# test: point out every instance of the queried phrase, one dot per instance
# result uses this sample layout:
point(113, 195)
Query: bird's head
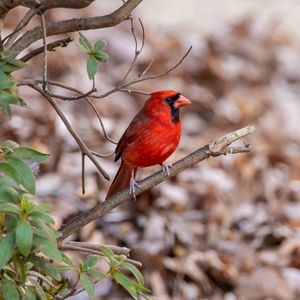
point(166, 104)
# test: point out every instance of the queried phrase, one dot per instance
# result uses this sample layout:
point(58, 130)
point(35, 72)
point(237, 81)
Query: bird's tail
point(121, 180)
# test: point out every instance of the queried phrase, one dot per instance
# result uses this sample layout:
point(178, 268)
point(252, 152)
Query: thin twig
point(45, 52)
point(146, 69)
point(214, 148)
point(84, 149)
point(140, 79)
point(136, 51)
point(24, 21)
point(115, 249)
point(130, 91)
point(50, 47)
point(83, 173)
point(64, 86)
point(102, 155)
point(100, 121)
point(95, 249)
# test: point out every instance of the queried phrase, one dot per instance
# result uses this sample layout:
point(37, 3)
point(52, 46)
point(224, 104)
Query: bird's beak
point(181, 101)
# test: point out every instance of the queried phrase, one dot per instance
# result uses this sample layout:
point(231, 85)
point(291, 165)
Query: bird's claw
point(166, 168)
point(133, 185)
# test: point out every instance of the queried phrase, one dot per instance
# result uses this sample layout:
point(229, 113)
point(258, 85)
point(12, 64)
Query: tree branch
point(84, 149)
point(115, 249)
point(50, 47)
point(6, 5)
point(13, 36)
point(215, 148)
point(75, 25)
point(91, 248)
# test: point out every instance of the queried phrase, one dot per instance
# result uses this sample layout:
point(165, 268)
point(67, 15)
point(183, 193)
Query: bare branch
point(100, 121)
point(45, 52)
point(72, 25)
point(6, 5)
point(115, 249)
point(140, 78)
point(90, 248)
point(50, 47)
point(212, 149)
point(136, 51)
point(84, 149)
point(13, 36)
point(102, 155)
point(83, 173)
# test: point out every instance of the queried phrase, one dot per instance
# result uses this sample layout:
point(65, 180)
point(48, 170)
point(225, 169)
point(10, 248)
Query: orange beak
point(181, 101)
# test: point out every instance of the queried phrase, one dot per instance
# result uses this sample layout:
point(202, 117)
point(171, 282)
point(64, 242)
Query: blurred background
point(228, 228)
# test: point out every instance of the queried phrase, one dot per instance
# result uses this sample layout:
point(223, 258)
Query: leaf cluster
point(95, 53)
point(31, 264)
point(8, 86)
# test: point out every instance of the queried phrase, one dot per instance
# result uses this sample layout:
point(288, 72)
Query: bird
point(151, 137)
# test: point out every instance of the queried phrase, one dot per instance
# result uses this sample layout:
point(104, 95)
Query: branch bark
point(215, 148)
point(50, 47)
point(72, 25)
point(7, 5)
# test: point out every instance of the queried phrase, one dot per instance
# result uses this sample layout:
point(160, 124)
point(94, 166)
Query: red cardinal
point(151, 137)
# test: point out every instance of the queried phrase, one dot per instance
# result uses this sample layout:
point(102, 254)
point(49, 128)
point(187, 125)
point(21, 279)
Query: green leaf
point(8, 68)
point(7, 57)
point(44, 266)
point(90, 262)
point(107, 251)
point(10, 171)
point(42, 216)
point(10, 208)
point(92, 66)
point(8, 194)
point(134, 270)
point(8, 289)
point(30, 154)
point(50, 249)
point(7, 244)
point(24, 237)
point(5, 81)
point(85, 43)
point(5, 108)
point(126, 283)
point(101, 56)
point(145, 296)
point(87, 284)
point(140, 288)
point(10, 144)
point(42, 207)
point(67, 260)
point(8, 98)
point(39, 291)
point(29, 294)
point(101, 44)
point(26, 178)
point(96, 273)
point(43, 231)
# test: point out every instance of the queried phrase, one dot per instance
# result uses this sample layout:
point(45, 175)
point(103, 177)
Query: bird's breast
point(153, 146)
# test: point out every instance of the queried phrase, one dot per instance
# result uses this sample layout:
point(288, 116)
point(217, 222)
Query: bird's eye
point(169, 99)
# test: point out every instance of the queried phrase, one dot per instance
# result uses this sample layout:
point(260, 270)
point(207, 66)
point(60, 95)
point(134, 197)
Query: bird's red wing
point(132, 132)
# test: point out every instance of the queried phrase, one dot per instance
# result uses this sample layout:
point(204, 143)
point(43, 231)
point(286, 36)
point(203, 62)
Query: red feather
point(151, 137)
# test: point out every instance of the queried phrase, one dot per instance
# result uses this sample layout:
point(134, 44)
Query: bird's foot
point(132, 187)
point(166, 168)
